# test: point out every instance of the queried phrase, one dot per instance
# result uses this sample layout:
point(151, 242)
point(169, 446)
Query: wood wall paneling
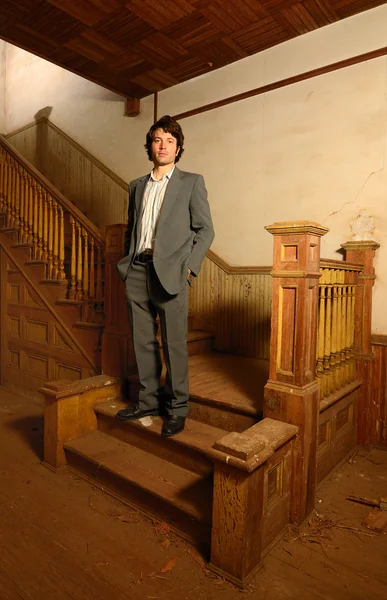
point(379, 405)
point(235, 304)
point(100, 194)
point(337, 433)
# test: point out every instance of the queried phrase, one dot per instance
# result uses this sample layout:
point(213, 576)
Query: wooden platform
point(172, 478)
point(226, 390)
point(235, 382)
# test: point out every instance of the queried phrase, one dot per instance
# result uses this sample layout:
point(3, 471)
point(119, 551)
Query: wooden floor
point(60, 538)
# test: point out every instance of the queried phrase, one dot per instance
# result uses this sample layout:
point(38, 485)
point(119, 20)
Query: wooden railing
point(335, 363)
point(59, 235)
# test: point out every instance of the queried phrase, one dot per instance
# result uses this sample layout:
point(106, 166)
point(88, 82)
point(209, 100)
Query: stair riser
point(169, 449)
point(219, 417)
point(142, 499)
point(207, 413)
point(22, 254)
point(195, 347)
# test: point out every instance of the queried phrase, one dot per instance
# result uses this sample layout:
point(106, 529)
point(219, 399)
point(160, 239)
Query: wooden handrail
point(69, 206)
point(50, 225)
point(331, 263)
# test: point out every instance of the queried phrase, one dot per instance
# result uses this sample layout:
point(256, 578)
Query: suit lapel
point(139, 195)
point(140, 188)
point(171, 195)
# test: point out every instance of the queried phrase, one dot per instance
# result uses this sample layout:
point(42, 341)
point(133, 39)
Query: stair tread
point(197, 435)
point(187, 490)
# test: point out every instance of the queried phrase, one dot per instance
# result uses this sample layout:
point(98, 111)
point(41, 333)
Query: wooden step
point(190, 449)
point(12, 234)
point(226, 391)
point(23, 252)
point(162, 489)
point(198, 341)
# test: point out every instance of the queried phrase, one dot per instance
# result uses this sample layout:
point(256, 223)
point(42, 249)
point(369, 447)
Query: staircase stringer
point(55, 312)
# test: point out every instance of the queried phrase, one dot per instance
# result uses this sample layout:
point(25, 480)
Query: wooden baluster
point(2, 179)
point(14, 191)
point(99, 276)
point(353, 324)
point(92, 270)
point(61, 273)
point(40, 222)
point(50, 266)
point(348, 328)
point(346, 275)
point(332, 360)
point(35, 220)
point(17, 200)
point(339, 329)
point(45, 226)
point(321, 335)
point(21, 205)
point(7, 174)
point(55, 267)
point(73, 266)
point(79, 263)
point(9, 195)
point(85, 308)
point(31, 210)
point(5, 183)
point(328, 371)
point(8, 190)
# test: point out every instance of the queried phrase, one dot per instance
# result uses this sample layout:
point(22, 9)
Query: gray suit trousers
point(146, 299)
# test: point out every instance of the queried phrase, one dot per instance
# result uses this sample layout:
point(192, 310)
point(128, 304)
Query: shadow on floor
point(31, 430)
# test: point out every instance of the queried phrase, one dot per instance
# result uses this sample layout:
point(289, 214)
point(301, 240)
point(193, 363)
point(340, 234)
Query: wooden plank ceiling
point(137, 47)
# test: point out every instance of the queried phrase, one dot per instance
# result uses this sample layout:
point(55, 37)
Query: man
point(169, 232)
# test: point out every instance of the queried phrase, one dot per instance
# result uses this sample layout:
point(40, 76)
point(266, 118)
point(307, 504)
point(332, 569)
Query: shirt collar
point(167, 175)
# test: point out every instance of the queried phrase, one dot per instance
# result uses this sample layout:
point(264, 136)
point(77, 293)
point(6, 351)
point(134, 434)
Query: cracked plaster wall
point(3, 46)
point(314, 150)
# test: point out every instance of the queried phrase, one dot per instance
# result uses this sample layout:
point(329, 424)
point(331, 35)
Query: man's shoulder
point(188, 174)
point(134, 182)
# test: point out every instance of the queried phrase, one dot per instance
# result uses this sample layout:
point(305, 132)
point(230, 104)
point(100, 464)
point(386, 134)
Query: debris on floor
point(376, 520)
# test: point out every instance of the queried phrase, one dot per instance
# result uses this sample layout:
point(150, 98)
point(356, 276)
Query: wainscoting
point(379, 417)
point(100, 194)
point(235, 304)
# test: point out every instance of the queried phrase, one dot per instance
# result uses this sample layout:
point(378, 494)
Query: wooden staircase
point(171, 478)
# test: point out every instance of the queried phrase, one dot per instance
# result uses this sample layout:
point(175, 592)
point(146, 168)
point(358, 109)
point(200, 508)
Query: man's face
point(164, 148)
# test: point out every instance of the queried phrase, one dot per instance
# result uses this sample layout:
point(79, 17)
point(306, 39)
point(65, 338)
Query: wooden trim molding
point(234, 270)
point(378, 339)
point(69, 206)
point(342, 64)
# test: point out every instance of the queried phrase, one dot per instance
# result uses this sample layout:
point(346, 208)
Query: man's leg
point(173, 312)
point(142, 316)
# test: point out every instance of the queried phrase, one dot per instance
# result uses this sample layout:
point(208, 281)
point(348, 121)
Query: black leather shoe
point(172, 425)
point(134, 412)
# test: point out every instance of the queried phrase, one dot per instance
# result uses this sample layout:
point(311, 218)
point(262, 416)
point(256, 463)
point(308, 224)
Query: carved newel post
point(363, 252)
point(292, 391)
point(117, 352)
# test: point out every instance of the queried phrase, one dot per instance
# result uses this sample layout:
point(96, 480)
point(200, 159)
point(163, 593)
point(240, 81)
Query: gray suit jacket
point(184, 231)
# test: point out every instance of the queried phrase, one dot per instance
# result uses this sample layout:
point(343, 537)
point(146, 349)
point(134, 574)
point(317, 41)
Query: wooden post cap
point(286, 227)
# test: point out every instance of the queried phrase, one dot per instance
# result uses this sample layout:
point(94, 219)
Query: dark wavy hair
point(169, 125)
